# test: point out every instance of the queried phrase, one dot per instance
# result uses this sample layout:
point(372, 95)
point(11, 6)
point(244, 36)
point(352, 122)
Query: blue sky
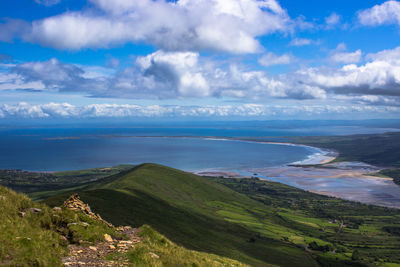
point(223, 59)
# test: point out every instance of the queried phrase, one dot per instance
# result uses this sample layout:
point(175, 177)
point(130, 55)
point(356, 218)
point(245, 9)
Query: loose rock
point(93, 248)
point(108, 238)
point(75, 203)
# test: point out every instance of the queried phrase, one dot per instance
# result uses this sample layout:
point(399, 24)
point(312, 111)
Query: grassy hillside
point(336, 225)
point(43, 184)
point(169, 254)
point(194, 212)
point(32, 234)
point(254, 221)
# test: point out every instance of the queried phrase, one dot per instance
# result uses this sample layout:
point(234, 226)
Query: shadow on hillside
point(190, 229)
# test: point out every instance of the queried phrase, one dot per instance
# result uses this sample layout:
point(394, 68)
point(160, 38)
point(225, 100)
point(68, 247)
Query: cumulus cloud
point(178, 75)
point(51, 75)
point(347, 57)
point(389, 55)
point(66, 110)
point(230, 26)
point(160, 75)
point(379, 76)
point(271, 59)
point(385, 13)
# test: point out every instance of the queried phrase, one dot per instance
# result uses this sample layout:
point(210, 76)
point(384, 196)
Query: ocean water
point(36, 153)
point(72, 148)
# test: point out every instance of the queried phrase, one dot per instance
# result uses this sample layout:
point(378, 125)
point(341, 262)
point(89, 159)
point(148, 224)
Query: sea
point(196, 148)
point(78, 147)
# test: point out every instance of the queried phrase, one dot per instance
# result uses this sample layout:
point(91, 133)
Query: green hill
point(194, 212)
point(32, 234)
point(257, 222)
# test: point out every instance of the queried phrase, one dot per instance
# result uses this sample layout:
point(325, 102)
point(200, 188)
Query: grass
point(41, 238)
point(182, 207)
point(43, 184)
point(256, 222)
point(156, 250)
point(31, 238)
point(373, 231)
point(250, 220)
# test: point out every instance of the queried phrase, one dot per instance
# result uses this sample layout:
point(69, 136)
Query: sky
point(199, 59)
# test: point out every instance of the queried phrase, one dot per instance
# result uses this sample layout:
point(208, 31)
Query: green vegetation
point(194, 212)
point(32, 234)
point(328, 225)
point(253, 221)
point(156, 250)
point(376, 149)
point(43, 184)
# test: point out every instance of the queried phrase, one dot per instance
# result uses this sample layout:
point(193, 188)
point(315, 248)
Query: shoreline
point(315, 173)
point(324, 156)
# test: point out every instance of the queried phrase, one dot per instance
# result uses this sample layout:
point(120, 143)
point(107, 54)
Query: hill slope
point(194, 212)
point(32, 234)
point(251, 220)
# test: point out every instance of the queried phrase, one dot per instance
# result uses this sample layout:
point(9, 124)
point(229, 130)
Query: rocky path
point(95, 255)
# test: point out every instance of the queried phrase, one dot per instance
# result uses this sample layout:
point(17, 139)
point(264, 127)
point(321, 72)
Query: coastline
point(316, 173)
point(323, 156)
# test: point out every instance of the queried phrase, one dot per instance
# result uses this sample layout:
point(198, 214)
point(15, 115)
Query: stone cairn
point(75, 203)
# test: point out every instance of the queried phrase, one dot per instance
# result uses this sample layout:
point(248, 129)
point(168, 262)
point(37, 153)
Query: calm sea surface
point(79, 148)
point(38, 154)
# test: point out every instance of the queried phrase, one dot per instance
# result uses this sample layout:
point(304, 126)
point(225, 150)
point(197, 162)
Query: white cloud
point(377, 100)
point(270, 59)
point(24, 110)
point(347, 57)
point(160, 75)
point(48, 2)
point(54, 75)
point(186, 75)
point(389, 55)
point(230, 26)
point(379, 76)
point(66, 110)
point(301, 42)
point(386, 13)
point(332, 20)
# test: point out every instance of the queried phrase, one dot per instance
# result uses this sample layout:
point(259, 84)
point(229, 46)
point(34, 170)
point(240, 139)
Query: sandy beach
point(354, 181)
